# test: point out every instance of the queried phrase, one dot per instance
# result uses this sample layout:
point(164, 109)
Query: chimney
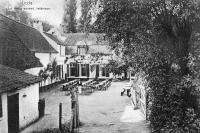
point(38, 25)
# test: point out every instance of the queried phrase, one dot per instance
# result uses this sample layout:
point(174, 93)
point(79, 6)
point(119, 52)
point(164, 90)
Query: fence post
point(60, 116)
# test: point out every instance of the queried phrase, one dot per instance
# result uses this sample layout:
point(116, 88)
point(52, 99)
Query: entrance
point(13, 113)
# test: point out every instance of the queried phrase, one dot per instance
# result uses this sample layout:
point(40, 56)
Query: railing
point(142, 100)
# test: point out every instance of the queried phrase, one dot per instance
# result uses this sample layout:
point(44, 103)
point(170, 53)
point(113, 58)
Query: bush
point(172, 101)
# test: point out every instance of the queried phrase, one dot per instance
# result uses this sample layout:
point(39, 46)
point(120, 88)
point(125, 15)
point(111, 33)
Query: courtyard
point(100, 112)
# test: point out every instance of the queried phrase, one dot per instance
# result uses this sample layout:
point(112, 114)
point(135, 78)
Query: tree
point(44, 74)
point(69, 19)
point(86, 16)
point(18, 13)
point(112, 67)
point(46, 26)
point(175, 20)
point(152, 36)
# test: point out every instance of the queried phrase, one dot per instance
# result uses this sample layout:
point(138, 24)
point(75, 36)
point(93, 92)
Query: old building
point(19, 97)
point(13, 51)
point(59, 46)
point(87, 55)
point(19, 91)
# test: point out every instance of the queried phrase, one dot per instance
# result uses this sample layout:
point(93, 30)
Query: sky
point(53, 14)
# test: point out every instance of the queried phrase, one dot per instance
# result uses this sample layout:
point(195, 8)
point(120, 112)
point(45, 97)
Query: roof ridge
point(55, 37)
point(17, 70)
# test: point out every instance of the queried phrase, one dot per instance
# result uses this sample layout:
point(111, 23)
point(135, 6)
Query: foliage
point(18, 14)
point(112, 66)
point(116, 68)
point(53, 69)
point(154, 37)
point(49, 71)
point(69, 19)
point(44, 74)
point(46, 26)
point(86, 16)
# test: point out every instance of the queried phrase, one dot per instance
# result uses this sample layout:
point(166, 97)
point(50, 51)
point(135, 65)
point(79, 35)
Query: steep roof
point(54, 39)
point(11, 79)
point(31, 37)
point(91, 38)
point(99, 49)
point(13, 52)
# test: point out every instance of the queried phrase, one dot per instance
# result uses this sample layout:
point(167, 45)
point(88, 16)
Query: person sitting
point(122, 93)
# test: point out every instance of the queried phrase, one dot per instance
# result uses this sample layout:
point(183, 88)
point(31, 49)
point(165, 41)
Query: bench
point(69, 85)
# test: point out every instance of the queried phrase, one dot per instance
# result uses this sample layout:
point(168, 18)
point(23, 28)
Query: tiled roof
point(99, 49)
point(70, 50)
point(13, 52)
point(92, 38)
point(54, 39)
point(11, 79)
point(31, 37)
point(95, 42)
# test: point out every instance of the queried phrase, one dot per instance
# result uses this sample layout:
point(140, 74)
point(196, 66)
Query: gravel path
point(100, 112)
point(108, 112)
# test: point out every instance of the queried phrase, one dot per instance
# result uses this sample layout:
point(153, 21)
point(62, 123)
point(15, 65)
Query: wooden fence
point(139, 98)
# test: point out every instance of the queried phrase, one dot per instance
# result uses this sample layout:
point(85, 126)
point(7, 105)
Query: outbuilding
point(19, 97)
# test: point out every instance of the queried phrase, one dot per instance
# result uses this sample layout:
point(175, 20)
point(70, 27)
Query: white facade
point(4, 118)
point(28, 107)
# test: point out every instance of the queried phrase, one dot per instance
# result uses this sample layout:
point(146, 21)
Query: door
point(13, 113)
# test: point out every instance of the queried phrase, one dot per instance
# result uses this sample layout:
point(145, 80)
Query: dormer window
point(82, 49)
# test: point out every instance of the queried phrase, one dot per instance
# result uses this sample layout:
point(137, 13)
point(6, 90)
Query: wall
point(62, 50)
point(4, 118)
point(44, 58)
point(28, 105)
point(34, 71)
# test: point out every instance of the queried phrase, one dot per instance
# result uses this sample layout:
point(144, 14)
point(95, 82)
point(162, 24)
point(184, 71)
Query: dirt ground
point(100, 112)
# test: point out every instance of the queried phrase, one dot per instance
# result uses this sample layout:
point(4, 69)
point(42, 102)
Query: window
point(105, 72)
point(83, 70)
point(72, 69)
point(58, 71)
point(1, 110)
point(82, 50)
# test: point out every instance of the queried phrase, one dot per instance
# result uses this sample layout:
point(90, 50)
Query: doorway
point(13, 113)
